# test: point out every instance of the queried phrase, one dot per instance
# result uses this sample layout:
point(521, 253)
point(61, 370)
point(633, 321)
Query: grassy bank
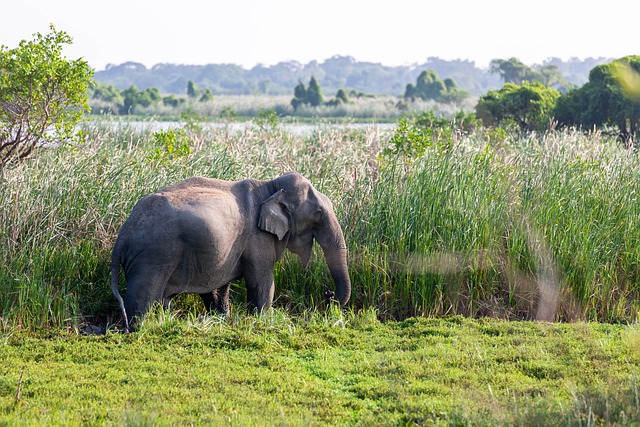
point(486, 223)
point(382, 107)
point(326, 368)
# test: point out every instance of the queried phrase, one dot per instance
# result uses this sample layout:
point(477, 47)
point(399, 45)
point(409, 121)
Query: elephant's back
point(149, 210)
point(143, 223)
point(179, 207)
point(200, 182)
point(199, 218)
point(199, 215)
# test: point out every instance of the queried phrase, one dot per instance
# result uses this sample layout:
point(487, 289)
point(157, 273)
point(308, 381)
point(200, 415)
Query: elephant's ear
point(273, 217)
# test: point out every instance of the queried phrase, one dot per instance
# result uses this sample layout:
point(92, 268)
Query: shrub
point(414, 134)
point(42, 95)
point(530, 106)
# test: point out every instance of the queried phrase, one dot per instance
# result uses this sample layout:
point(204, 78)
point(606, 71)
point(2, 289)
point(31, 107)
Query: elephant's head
point(298, 213)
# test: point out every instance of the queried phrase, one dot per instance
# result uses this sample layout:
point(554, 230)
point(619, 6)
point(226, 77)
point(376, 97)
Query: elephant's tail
point(115, 270)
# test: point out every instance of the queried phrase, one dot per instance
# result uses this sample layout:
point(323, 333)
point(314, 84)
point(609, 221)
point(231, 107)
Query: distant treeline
point(333, 74)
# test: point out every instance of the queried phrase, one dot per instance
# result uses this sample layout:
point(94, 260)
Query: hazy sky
point(398, 32)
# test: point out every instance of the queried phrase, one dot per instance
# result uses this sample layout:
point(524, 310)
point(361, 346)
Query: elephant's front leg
point(217, 300)
point(258, 277)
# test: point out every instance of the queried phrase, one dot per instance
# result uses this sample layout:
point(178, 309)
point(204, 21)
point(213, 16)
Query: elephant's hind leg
point(217, 300)
point(144, 288)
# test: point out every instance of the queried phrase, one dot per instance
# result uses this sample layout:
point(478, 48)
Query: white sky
point(398, 32)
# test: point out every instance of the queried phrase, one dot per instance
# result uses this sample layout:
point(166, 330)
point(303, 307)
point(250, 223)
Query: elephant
point(201, 234)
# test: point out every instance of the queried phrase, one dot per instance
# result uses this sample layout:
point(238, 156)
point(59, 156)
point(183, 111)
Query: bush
point(414, 134)
point(530, 106)
point(429, 86)
point(42, 95)
point(171, 144)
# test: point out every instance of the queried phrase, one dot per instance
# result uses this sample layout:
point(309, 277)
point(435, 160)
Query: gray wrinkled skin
point(199, 235)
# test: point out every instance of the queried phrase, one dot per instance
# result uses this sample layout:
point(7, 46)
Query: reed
point(483, 224)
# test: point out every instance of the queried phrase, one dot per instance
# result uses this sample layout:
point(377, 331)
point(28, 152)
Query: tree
point(42, 94)
point(106, 92)
point(514, 71)
point(511, 70)
point(173, 101)
point(207, 95)
point(192, 89)
point(342, 96)
point(430, 86)
point(314, 94)
point(529, 105)
point(550, 75)
point(610, 97)
point(453, 92)
point(134, 98)
point(107, 99)
point(311, 95)
point(299, 95)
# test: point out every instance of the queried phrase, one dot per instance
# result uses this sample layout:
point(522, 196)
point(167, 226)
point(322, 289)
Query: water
point(295, 128)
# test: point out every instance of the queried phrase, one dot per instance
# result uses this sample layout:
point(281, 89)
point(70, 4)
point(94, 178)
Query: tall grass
point(538, 226)
point(583, 196)
point(532, 227)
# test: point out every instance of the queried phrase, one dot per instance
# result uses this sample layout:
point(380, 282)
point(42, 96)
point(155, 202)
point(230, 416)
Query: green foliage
point(299, 95)
point(173, 101)
point(514, 71)
point(552, 209)
point(414, 134)
point(43, 95)
point(341, 98)
point(207, 96)
point(429, 86)
point(193, 123)
point(202, 95)
point(591, 196)
point(314, 93)
point(267, 120)
point(108, 94)
point(628, 77)
point(529, 106)
point(323, 369)
point(311, 95)
point(65, 209)
point(107, 99)
point(300, 91)
point(228, 113)
point(192, 89)
point(333, 73)
point(171, 144)
point(135, 98)
point(606, 100)
point(357, 94)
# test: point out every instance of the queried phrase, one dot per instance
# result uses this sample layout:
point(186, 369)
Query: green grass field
point(484, 224)
point(327, 368)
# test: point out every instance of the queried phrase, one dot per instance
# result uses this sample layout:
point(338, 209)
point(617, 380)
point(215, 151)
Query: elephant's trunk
point(335, 253)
